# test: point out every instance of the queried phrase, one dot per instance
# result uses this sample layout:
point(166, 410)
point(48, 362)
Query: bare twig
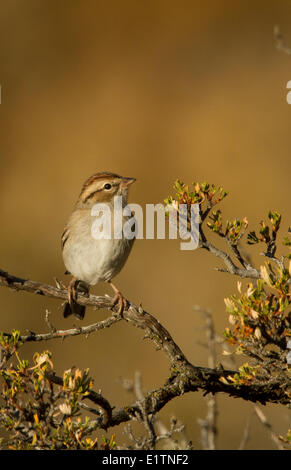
point(176, 428)
point(230, 267)
point(280, 42)
point(138, 386)
point(48, 322)
point(80, 330)
point(145, 418)
point(246, 434)
point(159, 432)
point(263, 419)
point(209, 424)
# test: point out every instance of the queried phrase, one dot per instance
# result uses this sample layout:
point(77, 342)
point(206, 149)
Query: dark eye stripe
point(98, 191)
point(92, 194)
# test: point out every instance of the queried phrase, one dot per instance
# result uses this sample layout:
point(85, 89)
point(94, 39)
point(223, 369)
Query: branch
point(209, 424)
point(230, 266)
point(184, 377)
point(136, 315)
point(81, 330)
point(268, 426)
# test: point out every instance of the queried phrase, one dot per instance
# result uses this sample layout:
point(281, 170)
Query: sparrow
point(90, 259)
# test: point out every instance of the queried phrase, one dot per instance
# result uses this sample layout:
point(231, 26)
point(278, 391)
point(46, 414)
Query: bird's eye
point(107, 186)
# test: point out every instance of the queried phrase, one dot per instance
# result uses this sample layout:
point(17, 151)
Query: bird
point(90, 259)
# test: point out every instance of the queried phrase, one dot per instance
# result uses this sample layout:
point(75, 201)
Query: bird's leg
point(72, 306)
point(118, 298)
point(72, 291)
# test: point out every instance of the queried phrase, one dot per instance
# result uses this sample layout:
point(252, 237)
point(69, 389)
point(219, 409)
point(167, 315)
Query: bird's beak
point(127, 182)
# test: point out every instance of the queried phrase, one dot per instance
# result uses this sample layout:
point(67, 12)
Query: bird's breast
point(94, 260)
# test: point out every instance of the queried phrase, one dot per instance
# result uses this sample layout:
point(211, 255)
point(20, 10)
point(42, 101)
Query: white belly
point(92, 260)
point(96, 261)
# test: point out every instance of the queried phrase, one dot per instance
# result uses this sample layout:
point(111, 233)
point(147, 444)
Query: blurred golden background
point(158, 90)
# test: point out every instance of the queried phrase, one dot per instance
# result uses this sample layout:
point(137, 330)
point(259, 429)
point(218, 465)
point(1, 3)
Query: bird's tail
point(72, 307)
